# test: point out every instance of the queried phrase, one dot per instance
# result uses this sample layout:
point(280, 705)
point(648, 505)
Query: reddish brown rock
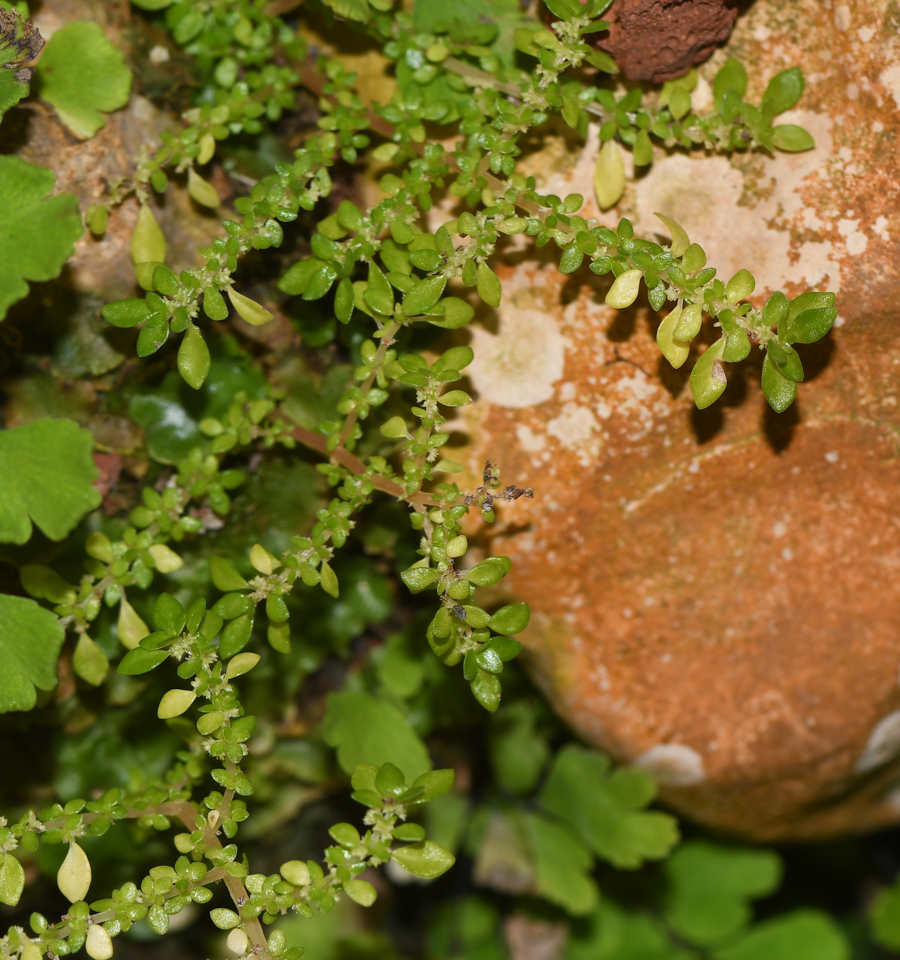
point(662, 39)
point(716, 595)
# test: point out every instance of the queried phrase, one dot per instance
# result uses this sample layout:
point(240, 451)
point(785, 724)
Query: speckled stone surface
point(716, 595)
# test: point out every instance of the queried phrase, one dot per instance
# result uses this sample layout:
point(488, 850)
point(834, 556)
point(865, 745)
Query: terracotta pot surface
point(662, 39)
point(716, 595)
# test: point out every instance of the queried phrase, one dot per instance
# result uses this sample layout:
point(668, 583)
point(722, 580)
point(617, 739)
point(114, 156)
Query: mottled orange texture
point(716, 595)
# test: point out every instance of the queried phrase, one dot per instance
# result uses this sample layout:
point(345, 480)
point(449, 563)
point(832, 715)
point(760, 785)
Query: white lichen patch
point(883, 745)
point(519, 365)
point(890, 80)
point(530, 441)
point(673, 764)
point(855, 239)
point(760, 219)
point(573, 426)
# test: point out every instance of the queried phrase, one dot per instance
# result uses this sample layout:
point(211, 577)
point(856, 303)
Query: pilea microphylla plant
point(223, 585)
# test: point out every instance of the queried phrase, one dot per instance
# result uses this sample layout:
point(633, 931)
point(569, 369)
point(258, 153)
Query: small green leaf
point(12, 880)
point(329, 580)
point(740, 286)
point(454, 398)
point(74, 876)
point(457, 313)
point(488, 572)
point(680, 239)
point(571, 259)
point(89, 661)
point(675, 351)
point(435, 783)
point(395, 428)
point(423, 296)
point(609, 175)
point(378, 294)
point(737, 346)
point(791, 138)
point(224, 576)
point(168, 615)
point(425, 859)
point(202, 191)
point(624, 290)
point(214, 305)
point(174, 703)
point(642, 150)
point(786, 358)
point(778, 389)
point(689, 323)
point(126, 313)
point(193, 358)
point(360, 892)
point(810, 316)
point(488, 285)
point(139, 660)
point(783, 91)
point(296, 280)
point(249, 310)
point(708, 379)
point(81, 74)
point(224, 919)
point(511, 619)
point(419, 578)
point(148, 242)
point(731, 76)
point(694, 258)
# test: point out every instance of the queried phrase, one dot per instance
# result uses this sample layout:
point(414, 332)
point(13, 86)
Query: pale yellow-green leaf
point(675, 351)
point(262, 561)
point(680, 239)
point(74, 876)
point(202, 190)
point(248, 309)
point(165, 558)
point(241, 664)
point(237, 941)
point(609, 175)
point(457, 546)
point(329, 580)
point(708, 379)
point(625, 289)
point(12, 879)
point(174, 703)
point(207, 148)
point(31, 951)
point(148, 241)
point(131, 628)
point(296, 872)
point(689, 325)
point(89, 661)
point(98, 945)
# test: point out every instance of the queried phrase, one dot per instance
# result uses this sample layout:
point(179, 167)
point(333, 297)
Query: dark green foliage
point(207, 676)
